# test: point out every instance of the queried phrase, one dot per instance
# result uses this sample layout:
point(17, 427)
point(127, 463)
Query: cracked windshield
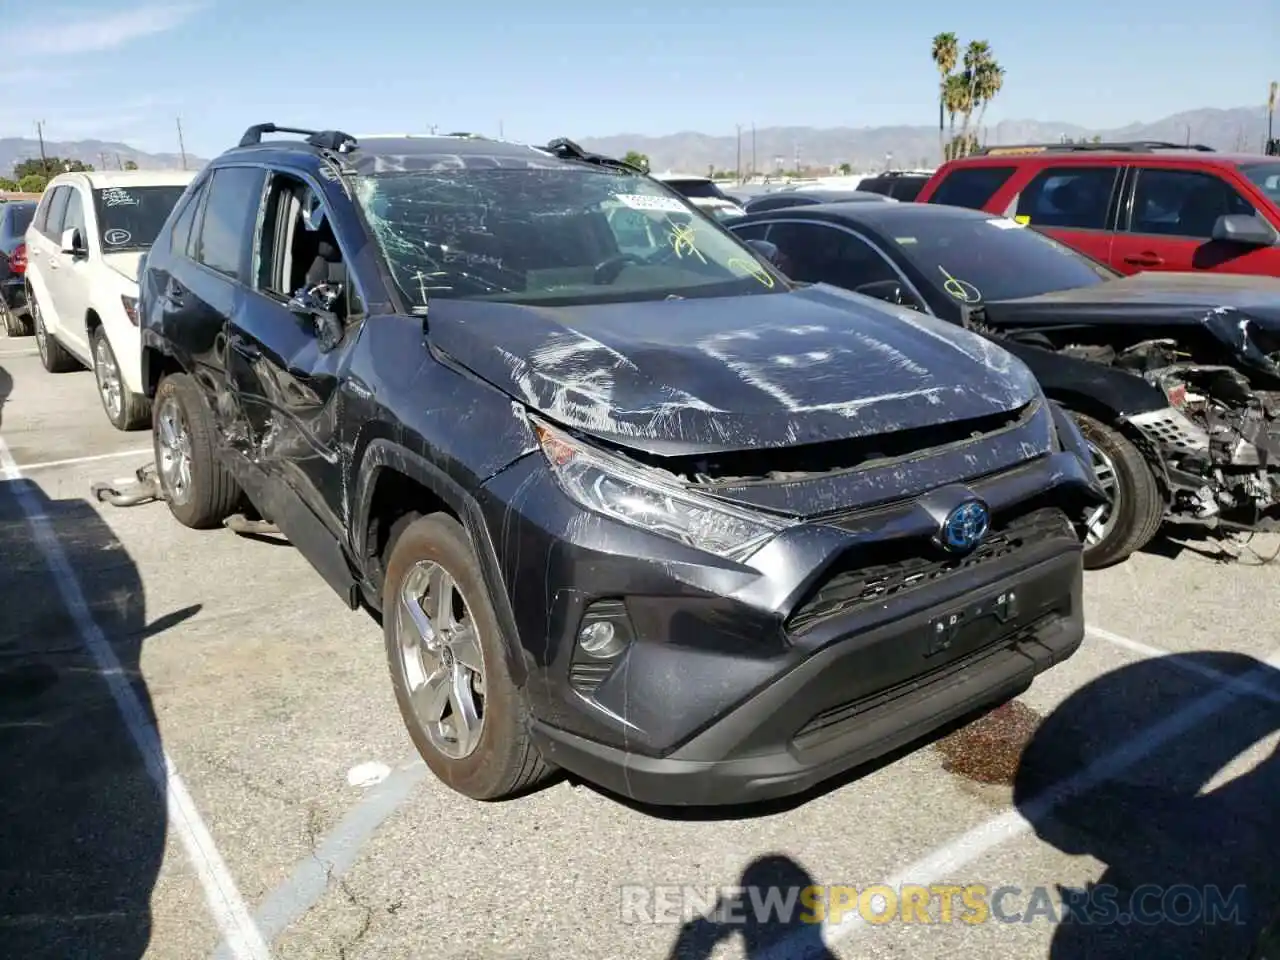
point(464, 496)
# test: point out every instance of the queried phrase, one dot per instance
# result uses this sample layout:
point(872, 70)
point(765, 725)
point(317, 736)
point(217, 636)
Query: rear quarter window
point(971, 187)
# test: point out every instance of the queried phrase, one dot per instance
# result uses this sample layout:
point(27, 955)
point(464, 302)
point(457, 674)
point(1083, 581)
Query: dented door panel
point(286, 403)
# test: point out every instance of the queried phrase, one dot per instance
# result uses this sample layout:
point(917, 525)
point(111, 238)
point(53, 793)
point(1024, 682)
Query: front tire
point(448, 666)
point(199, 489)
point(53, 355)
point(125, 409)
point(1116, 531)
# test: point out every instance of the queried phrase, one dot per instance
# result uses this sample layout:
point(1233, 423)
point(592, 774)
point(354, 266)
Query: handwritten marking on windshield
point(963, 291)
point(115, 197)
point(116, 237)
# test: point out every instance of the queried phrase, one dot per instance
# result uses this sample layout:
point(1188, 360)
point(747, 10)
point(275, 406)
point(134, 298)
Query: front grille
point(852, 586)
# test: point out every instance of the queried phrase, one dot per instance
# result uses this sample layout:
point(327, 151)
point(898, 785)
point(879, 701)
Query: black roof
point(384, 153)
point(875, 214)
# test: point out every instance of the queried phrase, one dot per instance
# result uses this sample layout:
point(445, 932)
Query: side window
point(1182, 203)
point(299, 249)
point(230, 212)
point(908, 188)
point(41, 220)
point(1076, 197)
point(57, 207)
point(751, 231)
point(818, 253)
point(73, 216)
point(180, 235)
point(971, 187)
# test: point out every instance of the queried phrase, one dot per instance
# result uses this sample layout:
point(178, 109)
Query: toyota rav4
point(649, 512)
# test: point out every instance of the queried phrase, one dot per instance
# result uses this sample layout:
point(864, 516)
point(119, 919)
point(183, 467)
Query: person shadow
point(82, 813)
point(748, 914)
point(1189, 847)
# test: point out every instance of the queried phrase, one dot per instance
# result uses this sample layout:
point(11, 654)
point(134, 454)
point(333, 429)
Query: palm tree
point(977, 56)
point(945, 51)
point(956, 97)
point(990, 80)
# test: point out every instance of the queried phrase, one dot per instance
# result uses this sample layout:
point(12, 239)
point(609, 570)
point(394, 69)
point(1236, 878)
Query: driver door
point(283, 369)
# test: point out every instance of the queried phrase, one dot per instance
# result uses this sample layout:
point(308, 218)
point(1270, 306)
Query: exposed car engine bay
point(1217, 447)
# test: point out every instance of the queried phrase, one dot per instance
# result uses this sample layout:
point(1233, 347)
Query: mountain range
point(103, 154)
point(863, 148)
point(872, 148)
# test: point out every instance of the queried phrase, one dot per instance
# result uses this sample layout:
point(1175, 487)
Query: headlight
point(629, 493)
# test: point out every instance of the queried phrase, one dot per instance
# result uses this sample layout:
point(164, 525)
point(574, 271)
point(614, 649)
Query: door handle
point(1146, 259)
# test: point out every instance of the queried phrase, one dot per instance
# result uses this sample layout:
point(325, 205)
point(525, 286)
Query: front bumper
point(14, 293)
point(745, 681)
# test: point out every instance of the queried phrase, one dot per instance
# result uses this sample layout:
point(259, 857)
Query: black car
point(643, 510)
point(801, 198)
point(15, 217)
point(901, 185)
point(1173, 378)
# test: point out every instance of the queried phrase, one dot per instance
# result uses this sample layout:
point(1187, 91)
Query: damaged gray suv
point(626, 501)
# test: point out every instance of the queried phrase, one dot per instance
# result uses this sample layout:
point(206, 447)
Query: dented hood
point(1241, 312)
point(714, 374)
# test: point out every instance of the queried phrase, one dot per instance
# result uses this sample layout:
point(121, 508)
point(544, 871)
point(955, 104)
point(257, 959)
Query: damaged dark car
point(1173, 378)
point(626, 501)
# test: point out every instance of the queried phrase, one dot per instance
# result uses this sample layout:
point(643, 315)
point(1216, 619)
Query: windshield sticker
point(637, 201)
point(1000, 223)
point(904, 240)
point(1022, 218)
point(115, 197)
point(962, 291)
point(752, 269)
point(116, 237)
point(684, 240)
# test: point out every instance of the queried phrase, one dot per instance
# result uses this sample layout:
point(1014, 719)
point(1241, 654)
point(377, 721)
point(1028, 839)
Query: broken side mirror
point(1246, 228)
point(322, 306)
point(767, 250)
point(73, 242)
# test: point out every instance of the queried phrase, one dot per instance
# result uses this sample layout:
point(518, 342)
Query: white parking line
point(224, 899)
point(1269, 693)
point(951, 859)
point(72, 461)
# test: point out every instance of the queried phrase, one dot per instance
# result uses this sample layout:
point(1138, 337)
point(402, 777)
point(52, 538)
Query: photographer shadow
point(761, 935)
point(83, 830)
point(1195, 845)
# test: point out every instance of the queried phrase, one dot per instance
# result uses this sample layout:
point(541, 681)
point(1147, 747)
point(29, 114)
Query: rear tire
point(433, 558)
point(1139, 508)
point(53, 355)
point(199, 489)
point(14, 326)
point(125, 409)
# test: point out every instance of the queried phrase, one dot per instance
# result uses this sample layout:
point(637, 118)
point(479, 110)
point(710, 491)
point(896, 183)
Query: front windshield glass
point(1266, 176)
point(565, 233)
point(129, 218)
point(977, 258)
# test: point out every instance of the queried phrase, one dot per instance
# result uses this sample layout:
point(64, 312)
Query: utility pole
point(753, 149)
point(182, 147)
point(1271, 113)
point(119, 162)
point(738, 168)
point(500, 137)
point(102, 158)
point(44, 160)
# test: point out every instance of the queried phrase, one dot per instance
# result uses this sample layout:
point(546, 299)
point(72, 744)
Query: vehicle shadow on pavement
point(1189, 852)
point(82, 820)
point(6, 388)
point(770, 876)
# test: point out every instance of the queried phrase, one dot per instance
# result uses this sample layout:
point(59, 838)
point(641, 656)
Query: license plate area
point(970, 625)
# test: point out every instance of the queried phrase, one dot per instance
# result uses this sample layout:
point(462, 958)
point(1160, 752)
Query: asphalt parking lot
point(281, 810)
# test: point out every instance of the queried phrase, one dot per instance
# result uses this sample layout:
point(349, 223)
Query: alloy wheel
point(108, 374)
point(442, 660)
point(173, 441)
point(1100, 522)
point(42, 336)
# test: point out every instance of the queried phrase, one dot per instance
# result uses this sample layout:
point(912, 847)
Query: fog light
point(600, 640)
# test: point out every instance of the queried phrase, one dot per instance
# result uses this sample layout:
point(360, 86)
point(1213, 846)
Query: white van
point(83, 250)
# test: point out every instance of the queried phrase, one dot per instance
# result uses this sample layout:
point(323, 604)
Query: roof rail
point(566, 149)
point(320, 139)
point(1121, 146)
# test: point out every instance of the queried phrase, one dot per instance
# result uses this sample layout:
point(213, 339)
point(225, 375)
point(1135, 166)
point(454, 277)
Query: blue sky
point(124, 71)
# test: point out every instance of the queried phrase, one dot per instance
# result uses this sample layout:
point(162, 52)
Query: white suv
point(83, 250)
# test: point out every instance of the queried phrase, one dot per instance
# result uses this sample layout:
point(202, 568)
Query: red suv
point(1135, 206)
